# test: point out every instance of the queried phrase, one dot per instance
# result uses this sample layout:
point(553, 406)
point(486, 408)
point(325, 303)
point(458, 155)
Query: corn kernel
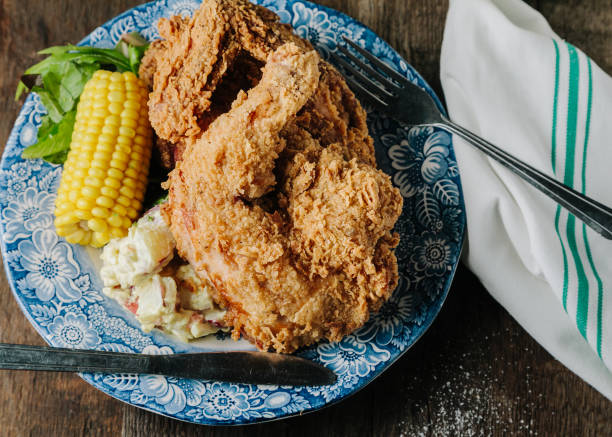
point(99, 164)
point(92, 129)
point(122, 200)
point(65, 219)
point(101, 156)
point(115, 108)
point(120, 209)
point(114, 173)
point(104, 201)
point(106, 138)
point(113, 120)
point(102, 74)
point(86, 240)
point(93, 181)
point(99, 239)
point(130, 182)
point(100, 212)
point(90, 192)
point(135, 156)
point(75, 237)
point(96, 172)
point(116, 86)
point(116, 96)
point(110, 193)
point(141, 140)
point(132, 213)
point(122, 139)
point(133, 95)
point(124, 148)
point(131, 86)
point(100, 103)
point(105, 147)
point(119, 155)
point(132, 114)
point(129, 122)
point(128, 132)
point(100, 112)
point(127, 192)
point(89, 138)
point(130, 77)
point(115, 220)
point(116, 77)
point(84, 203)
point(82, 214)
point(111, 130)
point(131, 173)
point(132, 105)
point(118, 165)
point(112, 183)
point(118, 232)
point(97, 225)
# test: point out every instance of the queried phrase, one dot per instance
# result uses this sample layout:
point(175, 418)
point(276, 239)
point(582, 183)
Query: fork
point(393, 94)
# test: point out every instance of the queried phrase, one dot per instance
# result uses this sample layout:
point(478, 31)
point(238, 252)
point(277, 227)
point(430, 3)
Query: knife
point(240, 367)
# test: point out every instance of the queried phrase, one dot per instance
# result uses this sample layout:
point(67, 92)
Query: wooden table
point(476, 372)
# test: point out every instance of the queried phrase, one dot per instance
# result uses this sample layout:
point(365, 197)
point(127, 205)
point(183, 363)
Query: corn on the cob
point(105, 174)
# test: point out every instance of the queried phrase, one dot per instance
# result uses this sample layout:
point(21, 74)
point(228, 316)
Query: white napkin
point(509, 78)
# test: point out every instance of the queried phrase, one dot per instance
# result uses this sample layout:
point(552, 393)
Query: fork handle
point(591, 212)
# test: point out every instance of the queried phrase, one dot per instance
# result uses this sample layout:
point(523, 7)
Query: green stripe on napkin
point(554, 167)
point(569, 178)
point(582, 309)
point(584, 233)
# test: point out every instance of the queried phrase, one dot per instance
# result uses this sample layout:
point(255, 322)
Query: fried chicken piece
point(201, 65)
point(318, 265)
point(330, 199)
point(198, 53)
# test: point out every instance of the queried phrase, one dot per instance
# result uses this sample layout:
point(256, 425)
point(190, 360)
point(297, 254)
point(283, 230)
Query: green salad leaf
point(52, 139)
point(59, 80)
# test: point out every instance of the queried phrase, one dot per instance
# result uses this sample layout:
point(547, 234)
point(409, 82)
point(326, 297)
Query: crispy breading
point(200, 65)
point(198, 53)
point(294, 235)
point(275, 197)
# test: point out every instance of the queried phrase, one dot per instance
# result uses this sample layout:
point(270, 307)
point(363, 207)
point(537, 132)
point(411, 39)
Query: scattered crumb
point(470, 402)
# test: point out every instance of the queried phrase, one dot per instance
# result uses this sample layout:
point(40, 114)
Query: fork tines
point(372, 84)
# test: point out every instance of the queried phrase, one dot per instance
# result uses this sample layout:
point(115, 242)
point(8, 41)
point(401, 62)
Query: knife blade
point(238, 367)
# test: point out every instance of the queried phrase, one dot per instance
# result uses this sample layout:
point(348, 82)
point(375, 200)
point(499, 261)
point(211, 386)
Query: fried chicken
point(200, 65)
point(198, 53)
point(294, 236)
point(275, 197)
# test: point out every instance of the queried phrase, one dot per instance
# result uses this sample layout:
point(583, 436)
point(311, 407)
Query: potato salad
point(141, 272)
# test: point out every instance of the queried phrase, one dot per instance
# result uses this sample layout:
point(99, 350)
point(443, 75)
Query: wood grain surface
point(475, 372)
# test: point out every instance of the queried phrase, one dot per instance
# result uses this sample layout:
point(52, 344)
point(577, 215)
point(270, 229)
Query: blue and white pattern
point(73, 331)
point(59, 290)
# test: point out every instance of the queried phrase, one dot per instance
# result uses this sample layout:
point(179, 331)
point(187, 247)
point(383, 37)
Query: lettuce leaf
point(59, 80)
point(55, 139)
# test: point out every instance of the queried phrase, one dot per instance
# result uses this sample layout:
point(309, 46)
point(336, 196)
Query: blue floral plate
point(59, 290)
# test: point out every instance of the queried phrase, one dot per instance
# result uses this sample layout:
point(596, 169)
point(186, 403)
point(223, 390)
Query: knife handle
point(26, 357)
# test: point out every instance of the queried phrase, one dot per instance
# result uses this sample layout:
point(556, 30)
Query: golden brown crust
point(275, 197)
point(198, 53)
point(199, 67)
point(315, 266)
point(334, 116)
point(148, 64)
